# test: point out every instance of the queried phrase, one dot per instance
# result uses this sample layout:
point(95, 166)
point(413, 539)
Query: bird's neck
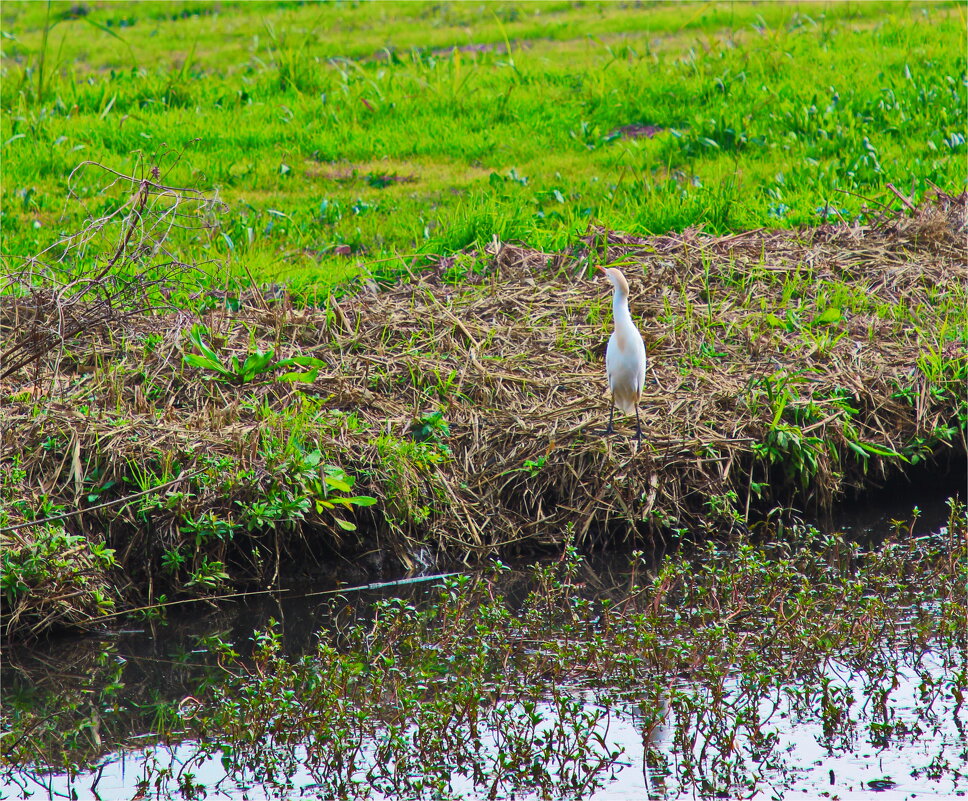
point(620, 308)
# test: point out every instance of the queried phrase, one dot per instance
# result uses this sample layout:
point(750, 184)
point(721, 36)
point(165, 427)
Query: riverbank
point(460, 413)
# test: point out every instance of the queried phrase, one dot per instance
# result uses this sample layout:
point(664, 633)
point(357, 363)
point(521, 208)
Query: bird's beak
point(599, 267)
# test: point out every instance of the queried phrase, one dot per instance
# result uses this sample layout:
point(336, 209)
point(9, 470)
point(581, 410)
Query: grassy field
point(346, 135)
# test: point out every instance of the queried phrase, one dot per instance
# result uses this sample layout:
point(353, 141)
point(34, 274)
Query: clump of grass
point(54, 580)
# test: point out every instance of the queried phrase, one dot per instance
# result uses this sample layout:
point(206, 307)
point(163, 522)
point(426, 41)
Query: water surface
point(899, 732)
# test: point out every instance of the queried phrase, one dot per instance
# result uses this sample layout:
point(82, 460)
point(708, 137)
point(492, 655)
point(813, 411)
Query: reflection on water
point(806, 755)
point(894, 727)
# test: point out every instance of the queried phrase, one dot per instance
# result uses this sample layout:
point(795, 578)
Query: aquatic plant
point(502, 682)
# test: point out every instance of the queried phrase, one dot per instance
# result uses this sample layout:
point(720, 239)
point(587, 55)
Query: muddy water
point(143, 669)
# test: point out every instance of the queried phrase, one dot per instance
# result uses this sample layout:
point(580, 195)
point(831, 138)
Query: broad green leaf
point(858, 450)
point(831, 315)
point(195, 336)
point(346, 525)
point(362, 500)
point(301, 361)
point(256, 363)
point(196, 360)
point(337, 484)
point(880, 451)
point(301, 378)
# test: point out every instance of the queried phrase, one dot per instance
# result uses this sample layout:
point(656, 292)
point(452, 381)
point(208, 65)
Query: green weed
point(56, 579)
point(254, 364)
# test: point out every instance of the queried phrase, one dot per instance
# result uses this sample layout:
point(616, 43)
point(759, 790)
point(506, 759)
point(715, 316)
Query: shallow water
point(804, 761)
point(907, 739)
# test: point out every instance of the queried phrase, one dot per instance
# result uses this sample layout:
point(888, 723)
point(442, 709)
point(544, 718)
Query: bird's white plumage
point(625, 358)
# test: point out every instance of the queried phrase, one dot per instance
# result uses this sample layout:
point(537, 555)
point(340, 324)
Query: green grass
point(341, 124)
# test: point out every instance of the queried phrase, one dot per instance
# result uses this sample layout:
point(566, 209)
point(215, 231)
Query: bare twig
point(62, 293)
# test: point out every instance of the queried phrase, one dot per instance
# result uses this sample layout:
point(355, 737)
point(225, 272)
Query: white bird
point(625, 355)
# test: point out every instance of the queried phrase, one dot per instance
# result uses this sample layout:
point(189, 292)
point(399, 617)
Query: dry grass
point(529, 379)
point(751, 399)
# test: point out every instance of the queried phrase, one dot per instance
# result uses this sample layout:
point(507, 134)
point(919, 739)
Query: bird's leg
point(638, 425)
point(611, 417)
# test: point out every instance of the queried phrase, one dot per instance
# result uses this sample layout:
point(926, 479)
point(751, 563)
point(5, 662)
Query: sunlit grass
point(337, 143)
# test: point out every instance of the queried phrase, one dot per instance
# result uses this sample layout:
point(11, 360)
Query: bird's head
point(614, 275)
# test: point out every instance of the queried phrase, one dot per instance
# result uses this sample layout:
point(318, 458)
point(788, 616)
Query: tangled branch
point(121, 263)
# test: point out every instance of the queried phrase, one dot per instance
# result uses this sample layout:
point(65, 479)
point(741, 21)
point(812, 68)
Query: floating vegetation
point(693, 673)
